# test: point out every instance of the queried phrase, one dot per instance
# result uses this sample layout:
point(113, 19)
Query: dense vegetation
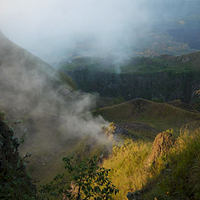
point(15, 183)
point(164, 77)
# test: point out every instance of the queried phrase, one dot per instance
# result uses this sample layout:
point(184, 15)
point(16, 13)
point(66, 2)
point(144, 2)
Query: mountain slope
point(135, 115)
point(13, 56)
point(167, 77)
point(42, 103)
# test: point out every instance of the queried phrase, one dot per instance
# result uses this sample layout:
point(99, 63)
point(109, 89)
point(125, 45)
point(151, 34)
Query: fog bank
point(51, 29)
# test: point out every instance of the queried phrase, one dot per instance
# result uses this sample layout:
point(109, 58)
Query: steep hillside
point(164, 77)
point(160, 161)
point(14, 57)
point(42, 103)
point(167, 168)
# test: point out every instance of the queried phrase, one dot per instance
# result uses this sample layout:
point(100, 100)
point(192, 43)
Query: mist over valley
point(117, 81)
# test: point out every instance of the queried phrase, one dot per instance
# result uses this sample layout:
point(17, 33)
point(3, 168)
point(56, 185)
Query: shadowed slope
point(13, 56)
point(38, 100)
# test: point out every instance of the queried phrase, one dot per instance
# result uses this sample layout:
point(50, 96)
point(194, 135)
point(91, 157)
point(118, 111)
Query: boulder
point(161, 145)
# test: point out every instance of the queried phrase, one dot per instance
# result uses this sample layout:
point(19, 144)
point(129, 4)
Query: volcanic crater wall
point(167, 85)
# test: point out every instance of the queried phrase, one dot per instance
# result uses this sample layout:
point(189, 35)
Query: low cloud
point(51, 113)
point(50, 28)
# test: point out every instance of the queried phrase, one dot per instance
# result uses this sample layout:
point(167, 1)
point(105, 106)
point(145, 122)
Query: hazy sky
point(37, 18)
point(28, 22)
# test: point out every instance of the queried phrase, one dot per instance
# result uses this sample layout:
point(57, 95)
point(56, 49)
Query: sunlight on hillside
point(126, 164)
point(175, 175)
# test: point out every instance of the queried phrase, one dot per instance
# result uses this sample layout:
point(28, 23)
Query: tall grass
point(127, 163)
point(181, 180)
point(175, 176)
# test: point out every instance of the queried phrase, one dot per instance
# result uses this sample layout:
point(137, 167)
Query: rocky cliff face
point(167, 85)
point(14, 181)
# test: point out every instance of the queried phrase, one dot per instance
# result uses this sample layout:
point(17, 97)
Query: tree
point(87, 181)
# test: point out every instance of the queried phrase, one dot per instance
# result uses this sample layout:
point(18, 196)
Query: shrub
point(87, 181)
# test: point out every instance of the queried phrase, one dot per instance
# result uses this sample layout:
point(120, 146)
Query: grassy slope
point(66, 80)
point(174, 176)
point(127, 162)
point(180, 179)
point(160, 116)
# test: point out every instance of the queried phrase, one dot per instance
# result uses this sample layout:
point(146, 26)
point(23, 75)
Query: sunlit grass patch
point(127, 166)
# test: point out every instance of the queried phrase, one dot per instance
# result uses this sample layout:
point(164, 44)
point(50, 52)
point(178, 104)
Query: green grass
point(160, 116)
point(139, 65)
point(185, 63)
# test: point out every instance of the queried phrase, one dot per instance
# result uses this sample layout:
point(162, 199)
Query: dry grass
point(181, 179)
point(127, 163)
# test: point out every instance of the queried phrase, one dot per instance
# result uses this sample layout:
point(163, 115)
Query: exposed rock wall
point(168, 85)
